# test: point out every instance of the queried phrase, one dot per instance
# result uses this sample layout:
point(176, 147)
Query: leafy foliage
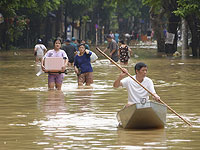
point(16, 13)
point(129, 8)
point(102, 12)
point(186, 7)
point(154, 4)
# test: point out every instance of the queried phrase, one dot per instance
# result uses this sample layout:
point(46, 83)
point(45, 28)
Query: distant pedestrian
point(149, 35)
point(128, 38)
point(74, 43)
point(138, 36)
point(39, 50)
point(112, 35)
point(152, 35)
point(165, 33)
point(83, 67)
point(116, 37)
point(86, 45)
point(113, 47)
point(70, 51)
point(55, 79)
point(124, 52)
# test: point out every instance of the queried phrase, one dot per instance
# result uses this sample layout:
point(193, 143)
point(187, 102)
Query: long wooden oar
point(143, 86)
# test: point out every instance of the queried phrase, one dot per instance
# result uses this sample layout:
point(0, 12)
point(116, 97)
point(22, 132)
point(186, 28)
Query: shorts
point(115, 58)
point(39, 56)
point(56, 78)
point(86, 78)
point(71, 60)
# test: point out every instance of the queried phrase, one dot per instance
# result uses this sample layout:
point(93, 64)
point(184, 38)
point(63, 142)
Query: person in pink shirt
point(55, 79)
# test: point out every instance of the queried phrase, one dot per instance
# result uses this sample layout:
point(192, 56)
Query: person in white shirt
point(136, 93)
point(39, 51)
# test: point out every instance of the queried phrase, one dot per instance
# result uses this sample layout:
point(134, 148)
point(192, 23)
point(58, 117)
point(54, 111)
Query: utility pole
point(96, 27)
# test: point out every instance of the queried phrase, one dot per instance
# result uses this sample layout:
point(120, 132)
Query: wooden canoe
point(143, 116)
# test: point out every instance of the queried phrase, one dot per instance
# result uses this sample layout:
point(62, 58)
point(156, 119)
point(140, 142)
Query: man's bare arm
point(117, 82)
point(105, 50)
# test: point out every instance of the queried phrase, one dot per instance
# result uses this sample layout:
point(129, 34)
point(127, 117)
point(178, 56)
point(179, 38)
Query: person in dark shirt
point(83, 67)
point(70, 51)
point(113, 47)
point(124, 53)
point(74, 43)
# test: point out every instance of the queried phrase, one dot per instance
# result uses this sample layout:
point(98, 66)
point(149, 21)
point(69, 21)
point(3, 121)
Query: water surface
point(85, 118)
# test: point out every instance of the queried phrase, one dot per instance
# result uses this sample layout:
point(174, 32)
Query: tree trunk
point(72, 27)
point(48, 34)
point(184, 38)
point(65, 23)
point(80, 28)
point(172, 28)
point(59, 21)
point(191, 19)
point(156, 20)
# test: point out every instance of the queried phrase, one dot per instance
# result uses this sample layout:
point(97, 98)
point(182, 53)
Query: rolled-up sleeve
point(151, 87)
point(124, 82)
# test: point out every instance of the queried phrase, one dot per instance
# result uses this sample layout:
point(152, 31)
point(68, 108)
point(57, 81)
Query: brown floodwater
point(85, 118)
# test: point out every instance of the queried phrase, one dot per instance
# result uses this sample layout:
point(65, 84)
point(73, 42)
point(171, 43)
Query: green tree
point(187, 7)
point(76, 10)
point(163, 16)
point(129, 12)
point(173, 23)
point(17, 14)
point(157, 16)
point(190, 10)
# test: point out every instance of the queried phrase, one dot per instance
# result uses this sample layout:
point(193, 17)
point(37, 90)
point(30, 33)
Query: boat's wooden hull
point(143, 116)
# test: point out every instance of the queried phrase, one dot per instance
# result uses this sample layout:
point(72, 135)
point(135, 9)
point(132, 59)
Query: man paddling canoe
point(136, 93)
point(156, 97)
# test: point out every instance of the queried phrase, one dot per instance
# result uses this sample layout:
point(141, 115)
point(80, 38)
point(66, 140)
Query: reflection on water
point(142, 139)
point(74, 120)
point(85, 118)
point(54, 104)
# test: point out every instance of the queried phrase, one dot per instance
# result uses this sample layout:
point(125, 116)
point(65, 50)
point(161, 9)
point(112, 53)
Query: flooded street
point(85, 118)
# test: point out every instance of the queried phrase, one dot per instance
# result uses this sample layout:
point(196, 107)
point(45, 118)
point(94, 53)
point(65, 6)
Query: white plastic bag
point(93, 57)
point(40, 72)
